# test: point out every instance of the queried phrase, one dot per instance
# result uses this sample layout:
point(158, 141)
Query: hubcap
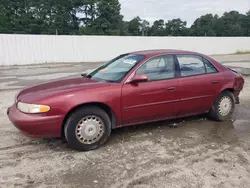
point(225, 106)
point(90, 129)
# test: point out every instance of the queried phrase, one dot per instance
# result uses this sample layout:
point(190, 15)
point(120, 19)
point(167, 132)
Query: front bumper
point(36, 125)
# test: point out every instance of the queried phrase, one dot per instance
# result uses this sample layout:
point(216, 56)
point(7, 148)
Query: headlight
point(32, 108)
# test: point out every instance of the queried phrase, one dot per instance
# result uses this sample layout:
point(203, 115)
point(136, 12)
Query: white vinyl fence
point(36, 49)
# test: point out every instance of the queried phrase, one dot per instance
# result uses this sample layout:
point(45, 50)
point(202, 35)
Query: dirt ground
point(192, 152)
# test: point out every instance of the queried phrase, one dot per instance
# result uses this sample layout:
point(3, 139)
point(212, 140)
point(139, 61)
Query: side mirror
point(139, 78)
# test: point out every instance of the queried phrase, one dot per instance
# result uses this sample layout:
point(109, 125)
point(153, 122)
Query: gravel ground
point(191, 152)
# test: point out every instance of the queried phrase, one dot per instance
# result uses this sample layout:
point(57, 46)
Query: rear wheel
point(87, 128)
point(223, 107)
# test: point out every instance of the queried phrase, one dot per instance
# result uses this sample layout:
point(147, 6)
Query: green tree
point(204, 26)
point(232, 24)
point(145, 27)
point(124, 28)
point(40, 16)
point(245, 22)
point(60, 16)
point(158, 28)
point(134, 26)
point(14, 16)
point(218, 26)
point(102, 17)
point(86, 11)
point(177, 27)
point(108, 19)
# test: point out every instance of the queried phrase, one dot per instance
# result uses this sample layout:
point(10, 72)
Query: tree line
point(103, 17)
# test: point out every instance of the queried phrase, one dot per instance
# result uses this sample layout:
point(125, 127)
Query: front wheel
point(223, 107)
point(87, 128)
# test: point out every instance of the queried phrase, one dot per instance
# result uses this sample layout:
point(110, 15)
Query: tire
point(223, 107)
point(87, 128)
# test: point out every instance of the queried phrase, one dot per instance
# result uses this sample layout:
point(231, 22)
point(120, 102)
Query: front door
point(152, 100)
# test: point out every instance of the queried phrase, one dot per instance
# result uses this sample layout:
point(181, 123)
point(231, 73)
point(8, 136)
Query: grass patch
point(238, 52)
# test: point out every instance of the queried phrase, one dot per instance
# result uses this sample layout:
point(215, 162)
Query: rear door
point(199, 83)
point(152, 100)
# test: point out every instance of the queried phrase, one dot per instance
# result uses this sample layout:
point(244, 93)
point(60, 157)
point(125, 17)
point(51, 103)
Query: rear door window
point(209, 67)
point(191, 65)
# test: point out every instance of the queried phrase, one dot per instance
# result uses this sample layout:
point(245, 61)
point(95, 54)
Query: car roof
point(162, 52)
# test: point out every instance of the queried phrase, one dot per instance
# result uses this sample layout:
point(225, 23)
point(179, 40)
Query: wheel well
point(228, 89)
point(225, 90)
point(232, 91)
point(104, 107)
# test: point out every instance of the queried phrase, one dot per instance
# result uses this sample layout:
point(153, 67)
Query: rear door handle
point(171, 88)
point(215, 82)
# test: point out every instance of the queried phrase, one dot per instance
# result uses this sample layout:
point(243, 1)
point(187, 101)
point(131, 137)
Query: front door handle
point(215, 82)
point(171, 88)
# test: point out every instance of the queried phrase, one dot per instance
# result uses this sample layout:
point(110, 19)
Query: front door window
point(158, 68)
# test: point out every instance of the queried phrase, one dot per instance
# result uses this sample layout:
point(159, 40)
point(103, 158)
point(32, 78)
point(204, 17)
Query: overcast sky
point(187, 10)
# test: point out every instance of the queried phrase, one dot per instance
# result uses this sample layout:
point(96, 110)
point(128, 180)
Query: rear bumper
point(36, 125)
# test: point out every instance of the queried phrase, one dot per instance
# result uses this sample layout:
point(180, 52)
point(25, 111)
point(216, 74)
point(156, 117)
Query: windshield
point(116, 69)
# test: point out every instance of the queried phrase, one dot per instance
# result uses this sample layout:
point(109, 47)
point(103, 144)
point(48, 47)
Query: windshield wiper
point(86, 75)
point(111, 81)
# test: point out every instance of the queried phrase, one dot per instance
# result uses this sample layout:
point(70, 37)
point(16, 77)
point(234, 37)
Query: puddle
point(7, 77)
point(241, 125)
point(239, 64)
point(9, 85)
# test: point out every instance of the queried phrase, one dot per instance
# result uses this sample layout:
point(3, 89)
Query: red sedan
point(133, 88)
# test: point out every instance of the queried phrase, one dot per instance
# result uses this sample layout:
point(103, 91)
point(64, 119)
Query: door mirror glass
point(139, 78)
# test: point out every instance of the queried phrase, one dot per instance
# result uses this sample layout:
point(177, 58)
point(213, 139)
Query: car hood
point(56, 87)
